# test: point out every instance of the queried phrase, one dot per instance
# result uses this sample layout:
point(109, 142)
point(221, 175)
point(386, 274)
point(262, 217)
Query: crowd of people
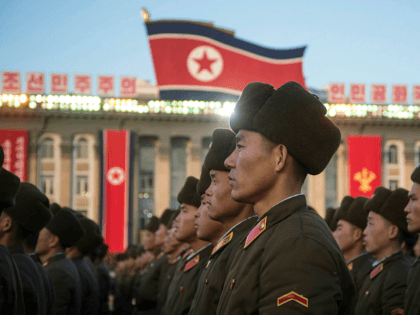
point(243, 241)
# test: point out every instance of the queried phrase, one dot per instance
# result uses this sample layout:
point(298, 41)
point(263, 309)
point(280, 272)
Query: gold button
point(181, 289)
point(261, 226)
point(367, 293)
point(207, 281)
point(232, 284)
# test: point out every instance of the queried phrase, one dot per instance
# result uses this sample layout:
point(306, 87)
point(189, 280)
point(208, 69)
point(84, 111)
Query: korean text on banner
point(15, 146)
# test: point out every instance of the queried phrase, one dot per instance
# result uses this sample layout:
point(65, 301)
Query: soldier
point(63, 231)
point(412, 296)
point(147, 291)
point(383, 291)
point(289, 263)
point(90, 287)
point(184, 283)
point(174, 250)
point(104, 280)
point(28, 216)
point(237, 219)
point(351, 220)
point(329, 219)
point(11, 296)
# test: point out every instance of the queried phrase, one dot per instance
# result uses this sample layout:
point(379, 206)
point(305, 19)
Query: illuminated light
point(185, 110)
point(49, 105)
point(10, 98)
point(129, 107)
point(17, 104)
point(50, 98)
point(332, 112)
point(106, 107)
point(168, 109)
point(112, 102)
point(90, 107)
point(23, 98)
point(32, 105)
point(196, 111)
point(151, 103)
point(4, 98)
point(123, 107)
point(327, 106)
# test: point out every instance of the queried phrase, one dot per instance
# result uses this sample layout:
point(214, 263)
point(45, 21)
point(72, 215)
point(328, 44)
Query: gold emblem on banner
point(365, 177)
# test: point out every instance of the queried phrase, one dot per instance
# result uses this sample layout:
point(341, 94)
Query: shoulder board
point(256, 231)
point(222, 243)
point(377, 270)
point(350, 266)
point(192, 263)
point(187, 253)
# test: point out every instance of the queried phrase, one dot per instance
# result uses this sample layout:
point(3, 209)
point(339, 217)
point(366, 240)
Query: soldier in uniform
point(289, 263)
point(88, 279)
point(104, 280)
point(11, 294)
point(412, 296)
point(383, 291)
point(237, 219)
point(28, 216)
point(329, 218)
point(351, 220)
point(63, 231)
point(184, 283)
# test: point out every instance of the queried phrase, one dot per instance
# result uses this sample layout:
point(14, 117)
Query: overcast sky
point(348, 41)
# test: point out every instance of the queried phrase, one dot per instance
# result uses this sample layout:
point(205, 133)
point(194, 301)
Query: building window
point(205, 148)
point(331, 183)
point(82, 149)
point(82, 187)
point(146, 198)
point(47, 148)
point(393, 155)
point(178, 167)
point(47, 185)
point(393, 184)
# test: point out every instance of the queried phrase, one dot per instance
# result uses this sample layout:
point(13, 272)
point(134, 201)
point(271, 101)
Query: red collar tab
point(292, 296)
point(192, 263)
point(256, 231)
point(377, 270)
point(222, 243)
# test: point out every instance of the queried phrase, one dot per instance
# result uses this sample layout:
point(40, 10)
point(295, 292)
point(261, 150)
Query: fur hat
point(31, 210)
point(173, 217)
point(89, 242)
point(290, 116)
point(330, 218)
point(415, 176)
point(390, 205)
point(189, 194)
point(153, 224)
point(166, 216)
point(66, 226)
point(220, 149)
point(9, 186)
point(352, 210)
point(204, 182)
point(54, 208)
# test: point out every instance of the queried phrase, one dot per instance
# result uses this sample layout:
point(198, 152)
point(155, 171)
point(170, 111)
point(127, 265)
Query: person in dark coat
point(184, 282)
point(28, 216)
point(289, 263)
point(88, 278)
point(237, 219)
point(351, 220)
point(63, 231)
point(412, 296)
point(383, 291)
point(104, 279)
point(11, 294)
point(330, 218)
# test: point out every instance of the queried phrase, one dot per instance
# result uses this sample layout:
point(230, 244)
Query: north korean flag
point(195, 60)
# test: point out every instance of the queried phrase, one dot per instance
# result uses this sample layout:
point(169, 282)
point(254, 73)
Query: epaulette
point(377, 270)
point(256, 231)
point(192, 263)
point(222, 243)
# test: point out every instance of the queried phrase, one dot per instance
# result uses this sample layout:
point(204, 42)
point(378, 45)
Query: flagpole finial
point(145, 15)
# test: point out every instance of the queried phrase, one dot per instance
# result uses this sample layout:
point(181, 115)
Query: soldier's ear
point(6, 222)
point(280, 154)
point(53, 241)
point(393, 231)
point(357, 234)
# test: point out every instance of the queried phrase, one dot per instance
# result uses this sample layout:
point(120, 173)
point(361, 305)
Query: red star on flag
point(205, 63)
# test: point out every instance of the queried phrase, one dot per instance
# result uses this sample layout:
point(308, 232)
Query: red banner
point(35, 82)
point(10, 82)
point(59, 84)
point(399, 94)
point(378, 93)
point(116, 152)
point(364, 164)
point(357, 93)
point(82, 84)
point(416, 94)
point(128, 87)
point(106, 85)
point(336, 93)
point(15, 146)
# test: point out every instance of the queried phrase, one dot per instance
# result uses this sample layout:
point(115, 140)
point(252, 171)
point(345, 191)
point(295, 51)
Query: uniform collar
point(54, 258)
point(16, 249)
point(228, 232)
point(390, 257)
point(198, 252)
point(358, 256)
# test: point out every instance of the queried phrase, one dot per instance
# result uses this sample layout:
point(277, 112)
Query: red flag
point(365, 166)
point(196, 61)
point(15, 146)
point(116, 188)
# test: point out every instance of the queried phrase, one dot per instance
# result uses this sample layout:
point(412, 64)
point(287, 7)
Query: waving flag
point(195, 60)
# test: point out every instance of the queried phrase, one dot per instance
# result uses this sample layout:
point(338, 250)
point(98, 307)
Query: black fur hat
point(330, 218)
point(219, 150)
point(173, 217)
point(89, 242)
point(9, 186)
point(204, 181)
point(352, 210)
point(166, 216)
point(66, 226)
point(390, 205)
point(415, 176)
point(189, 194)
point(290, 116)
point(153, 224)
point(31, 210)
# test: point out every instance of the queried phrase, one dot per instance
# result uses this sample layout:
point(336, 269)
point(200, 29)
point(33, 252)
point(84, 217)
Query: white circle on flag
point(115, 176)
point(205, 63)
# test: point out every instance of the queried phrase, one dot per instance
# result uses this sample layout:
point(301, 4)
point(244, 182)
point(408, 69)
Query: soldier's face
point(346, 235)
point(220, 203)
point(376, 233)
point(160, 235)
point(413, 209)
point(207, 228)
point(149, 241)
point(43, 240)
point(186, 231)
point(252, 168)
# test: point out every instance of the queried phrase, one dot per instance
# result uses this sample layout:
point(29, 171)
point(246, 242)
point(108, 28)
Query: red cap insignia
point(222, 243)
point(257, 230)
point(192, 263)
point(376, 271)
point(350, 266)
point(292, 296)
